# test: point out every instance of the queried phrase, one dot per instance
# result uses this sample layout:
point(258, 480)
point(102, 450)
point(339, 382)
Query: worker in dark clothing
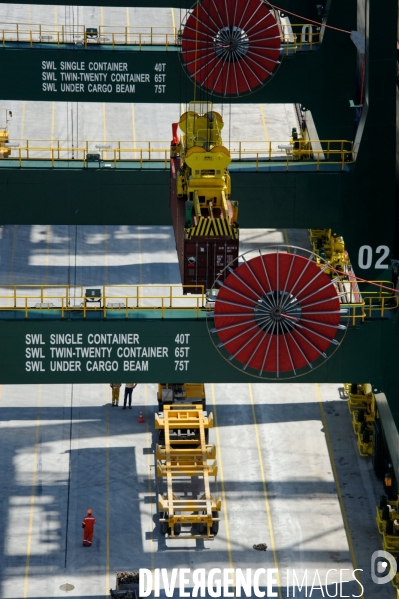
point(128, 393)
point(115, 393)
point(88, 528)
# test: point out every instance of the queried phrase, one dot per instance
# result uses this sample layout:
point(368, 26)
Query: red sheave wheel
point(230, 47)
point(277, 314)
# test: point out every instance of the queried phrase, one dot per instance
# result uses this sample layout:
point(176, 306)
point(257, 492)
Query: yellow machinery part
point(203, 178)
point(330, 247)
point(362, 406)
point(190, 460)
point(4, 151)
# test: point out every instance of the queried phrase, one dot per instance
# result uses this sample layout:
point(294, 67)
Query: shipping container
point(202, 258)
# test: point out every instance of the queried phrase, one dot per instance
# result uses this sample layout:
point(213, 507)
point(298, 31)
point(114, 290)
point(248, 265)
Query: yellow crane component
point(301, 147)
point(330, 247)
point(5, 151)
point(362, 406)
point(186, 456)
point(191, 393)
point(203, 180)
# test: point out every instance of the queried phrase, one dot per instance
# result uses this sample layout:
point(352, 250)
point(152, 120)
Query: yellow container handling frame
point(185, 463)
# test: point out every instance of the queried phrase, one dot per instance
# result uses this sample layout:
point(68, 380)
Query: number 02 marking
point(365, 258)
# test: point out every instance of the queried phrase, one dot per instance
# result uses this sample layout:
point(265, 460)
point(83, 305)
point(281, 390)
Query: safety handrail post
point(84, 307)
point(26, 307)
point(15, 296)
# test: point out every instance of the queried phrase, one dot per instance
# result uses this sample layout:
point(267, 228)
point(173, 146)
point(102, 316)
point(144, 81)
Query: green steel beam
point(31, 353)
point(307, 7)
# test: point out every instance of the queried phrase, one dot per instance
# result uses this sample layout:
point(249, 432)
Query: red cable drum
point(230, 47)
point(277, 313)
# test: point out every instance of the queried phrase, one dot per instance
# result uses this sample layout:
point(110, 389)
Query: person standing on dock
point(88, 528)
point(128, 393)
point(115, 393)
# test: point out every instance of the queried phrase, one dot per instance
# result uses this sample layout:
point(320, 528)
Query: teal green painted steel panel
point(307, 7)
point(29, 354)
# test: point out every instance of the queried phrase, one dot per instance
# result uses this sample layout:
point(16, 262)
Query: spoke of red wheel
point(224, 343)
point(323, 301)
point(233, 303)
point(267, 350)
point(300, 349)
point(328, 339)
point(310, 343)
point(232, 326)
point(256, 279)
point(257, 347)
point(267, 276)
point(296, 282)
point(224, 286)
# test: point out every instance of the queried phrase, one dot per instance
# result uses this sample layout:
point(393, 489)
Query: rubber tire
point(361, 415)
point(385, 512)
point(201, 529)
point(366, 436)
point(163, 528)
point(383, 501)
point(215, 525)
point(177, 529)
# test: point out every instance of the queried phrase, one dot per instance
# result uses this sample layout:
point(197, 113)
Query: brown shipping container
point(201, 259)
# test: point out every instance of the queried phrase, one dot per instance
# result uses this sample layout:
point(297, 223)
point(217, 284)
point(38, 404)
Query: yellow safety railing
point(339, 152)
point(380, 300)
point(300, 36)
point(294, 37)
point(111, 35)
point(110, 298)
point(360, 304)
point(355, 305)
point(353, 313)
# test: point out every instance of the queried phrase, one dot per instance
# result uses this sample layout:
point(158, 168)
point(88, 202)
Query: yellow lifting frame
point(189, 462)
